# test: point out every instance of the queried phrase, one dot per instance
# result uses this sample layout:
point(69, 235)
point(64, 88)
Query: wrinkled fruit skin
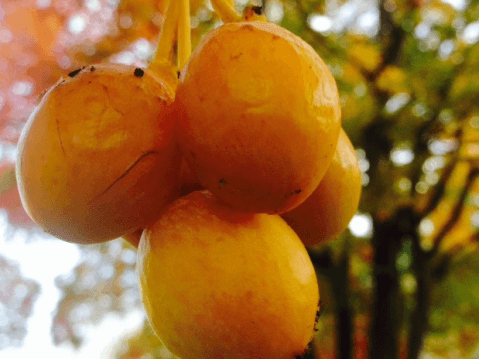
point(217, 283)
point(259, 116)
point(327, 212)
point(98, 157)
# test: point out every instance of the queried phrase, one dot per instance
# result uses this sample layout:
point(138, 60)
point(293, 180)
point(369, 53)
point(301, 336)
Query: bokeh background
point(401, 282)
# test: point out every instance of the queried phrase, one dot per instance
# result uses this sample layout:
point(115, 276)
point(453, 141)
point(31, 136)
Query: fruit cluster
point(227, 173)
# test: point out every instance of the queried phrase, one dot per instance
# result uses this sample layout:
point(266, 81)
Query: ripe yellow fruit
point(98, 157)
point(217, 283)
point(188, 180)
point(259, 116)
point(327, 212)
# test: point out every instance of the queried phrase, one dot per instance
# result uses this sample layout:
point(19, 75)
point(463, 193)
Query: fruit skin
point(188, 180)
point(327, 212)
point(98, 157)
point(259, 116)
point(217, 283)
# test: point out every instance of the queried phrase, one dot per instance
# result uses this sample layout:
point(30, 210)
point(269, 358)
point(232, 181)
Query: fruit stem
point(133, 238)
point(226, 10)
point(184, 33)
point(166, 43)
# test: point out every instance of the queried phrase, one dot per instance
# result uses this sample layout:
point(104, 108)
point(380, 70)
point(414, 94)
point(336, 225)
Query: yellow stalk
point(166, 44)
point(133, 238)
point(184, 33)
point(226, 10)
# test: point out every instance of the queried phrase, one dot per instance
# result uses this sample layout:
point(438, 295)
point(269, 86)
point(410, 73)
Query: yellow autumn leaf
point(460, 85)
point(393, 80)
point(439, 217)
point(367, 55)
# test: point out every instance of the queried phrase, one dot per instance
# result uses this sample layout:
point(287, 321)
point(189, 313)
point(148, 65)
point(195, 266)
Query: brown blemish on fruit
point(124, 174)
point(92, 68)
point(139, 72)
point(110, 103)
point(60, 137)
point(298, 191)
point(310, 343)
point(75, 72)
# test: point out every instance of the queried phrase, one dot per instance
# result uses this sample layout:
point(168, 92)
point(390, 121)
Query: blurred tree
point(401, 281)
point(17, 296)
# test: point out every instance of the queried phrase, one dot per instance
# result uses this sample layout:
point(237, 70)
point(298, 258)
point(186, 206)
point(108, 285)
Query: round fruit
point(188, 180)
point(98, 157)
point(259, 116)
point(217, 283)
point(327, 212)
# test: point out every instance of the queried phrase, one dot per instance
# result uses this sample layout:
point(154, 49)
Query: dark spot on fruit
point(257, 10)
point(76, 72)
point(222, 181)
point(178, 74)
point(236, 56)
point(92, 68)
point(298, 191)
point(192, 154)
point(275, 37)
point(139, 72)
point(319, 312)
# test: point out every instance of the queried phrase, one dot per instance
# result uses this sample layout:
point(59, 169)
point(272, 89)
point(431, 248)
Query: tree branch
point(457, 211)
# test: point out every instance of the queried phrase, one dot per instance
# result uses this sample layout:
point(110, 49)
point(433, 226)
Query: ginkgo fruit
point(258, 116)
point(327, 212)
point(98, 157)
point(217, 283)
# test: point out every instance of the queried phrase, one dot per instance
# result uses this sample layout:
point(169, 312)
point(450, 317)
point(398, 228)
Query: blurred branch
point(456, 213)
point(340, 285)
point(424, 270)
point(387, 303)
point(338, 275)
point(440, 188)
point(419, 319)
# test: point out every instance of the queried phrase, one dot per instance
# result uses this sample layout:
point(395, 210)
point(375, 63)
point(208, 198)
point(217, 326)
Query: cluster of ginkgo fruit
point(220, 177)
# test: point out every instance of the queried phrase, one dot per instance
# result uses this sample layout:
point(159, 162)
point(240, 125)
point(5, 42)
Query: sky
point(44, 258)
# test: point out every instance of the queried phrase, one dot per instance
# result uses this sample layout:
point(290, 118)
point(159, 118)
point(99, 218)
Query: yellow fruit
point(217, 283)
point(259, 116)
point(98, 157)
point(188, 180)
point(327, 212)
